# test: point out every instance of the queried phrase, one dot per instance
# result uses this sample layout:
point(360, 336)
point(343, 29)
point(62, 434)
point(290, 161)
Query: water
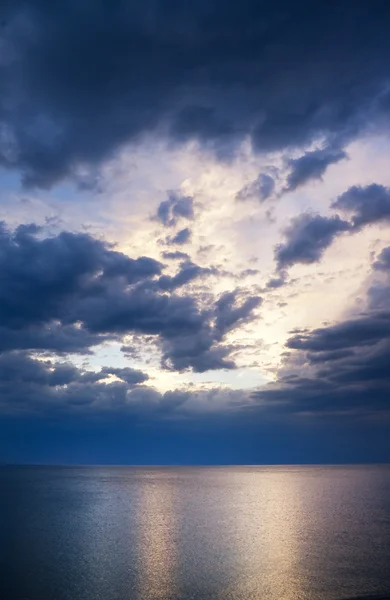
point(277, 533)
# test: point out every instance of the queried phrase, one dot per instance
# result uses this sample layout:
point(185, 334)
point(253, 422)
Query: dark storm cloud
point(38, 275)
point(354, 382)
point(176, 207)
point(363, 331)
point(70, 292)
point(181, 237)
point(201, 350)
point(30, 385)
point(52, 337)
point(18, 366)
point(370, 204)
point(311, 165)
point(228, 313)
point(80, 79)
point(128, 375)
point(262, 188)
point(307, 237)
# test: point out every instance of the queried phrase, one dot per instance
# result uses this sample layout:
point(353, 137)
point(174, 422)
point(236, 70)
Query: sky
point(195, 232)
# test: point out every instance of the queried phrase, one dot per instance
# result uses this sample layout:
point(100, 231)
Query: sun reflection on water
point(156, 540)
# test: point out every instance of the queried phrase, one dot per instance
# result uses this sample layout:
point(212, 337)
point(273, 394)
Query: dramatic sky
point(195, 236)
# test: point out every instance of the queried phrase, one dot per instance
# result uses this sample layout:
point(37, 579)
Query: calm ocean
point(234, 533)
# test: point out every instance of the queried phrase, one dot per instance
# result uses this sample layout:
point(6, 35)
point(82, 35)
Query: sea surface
point(229, 533)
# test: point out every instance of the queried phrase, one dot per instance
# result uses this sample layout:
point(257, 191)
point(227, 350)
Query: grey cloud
point(341, 368)
point(276, 282)
point(181, 237)
point(187, 273)
point(38, 275)
point(201, 351)
point(176, 255)
point(370, 204)
point(228, 313)
point(51, 337)
point(262, 188)
point(383, 261)
point(71, 292)
point(31, 385)
point(80, 81)
point(248, 273)
point(307, 238)
point(312, 165)
point(363, 331)
point(128, 375)
point(356, 383)
point(176, 207)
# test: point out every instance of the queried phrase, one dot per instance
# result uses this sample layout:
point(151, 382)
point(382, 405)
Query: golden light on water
point(155, 540)
point(265, 537)
point(253, 541)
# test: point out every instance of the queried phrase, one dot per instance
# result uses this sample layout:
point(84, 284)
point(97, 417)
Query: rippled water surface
point(179, 533)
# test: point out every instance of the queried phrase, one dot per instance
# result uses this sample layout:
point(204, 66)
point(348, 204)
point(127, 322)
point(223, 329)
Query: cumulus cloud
point(276, 282)
point(261, 188)
point(32, 387)
point(70, 292)
point(370, 204)
point(175, 208)
point(80, 82)
point(383, 261)
point(228, 313)
point(202, 351)
point(28, 385)
point(309, 235)
point(341, 368)
point(187, 273)
point(307, 238)
point(38, 276)
point(312, 165)
point(363, 331)
point(182, 237)
point(177, 255)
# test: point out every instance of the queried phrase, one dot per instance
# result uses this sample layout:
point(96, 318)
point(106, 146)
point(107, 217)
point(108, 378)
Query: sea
point(188, 533)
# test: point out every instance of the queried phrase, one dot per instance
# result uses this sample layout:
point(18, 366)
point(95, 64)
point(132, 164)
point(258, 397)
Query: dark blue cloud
point(182, 237)
point(203, 350)
point(176, 207)
point(340, 369)
point(37, 276)
point(276, 282)
point(383, 261)
point(187, 273)
point(312, 165)
point(29, 385)
point(71, 292)
point(262, 188)
point(307, 237)
point(80, 80)
point(370, 204)
point(177, 255)
point(358, 332)
point(228, 313)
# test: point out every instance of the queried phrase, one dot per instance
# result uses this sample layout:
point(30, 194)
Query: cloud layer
point(80, 81)
point(341, 369)
point(197, 201)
